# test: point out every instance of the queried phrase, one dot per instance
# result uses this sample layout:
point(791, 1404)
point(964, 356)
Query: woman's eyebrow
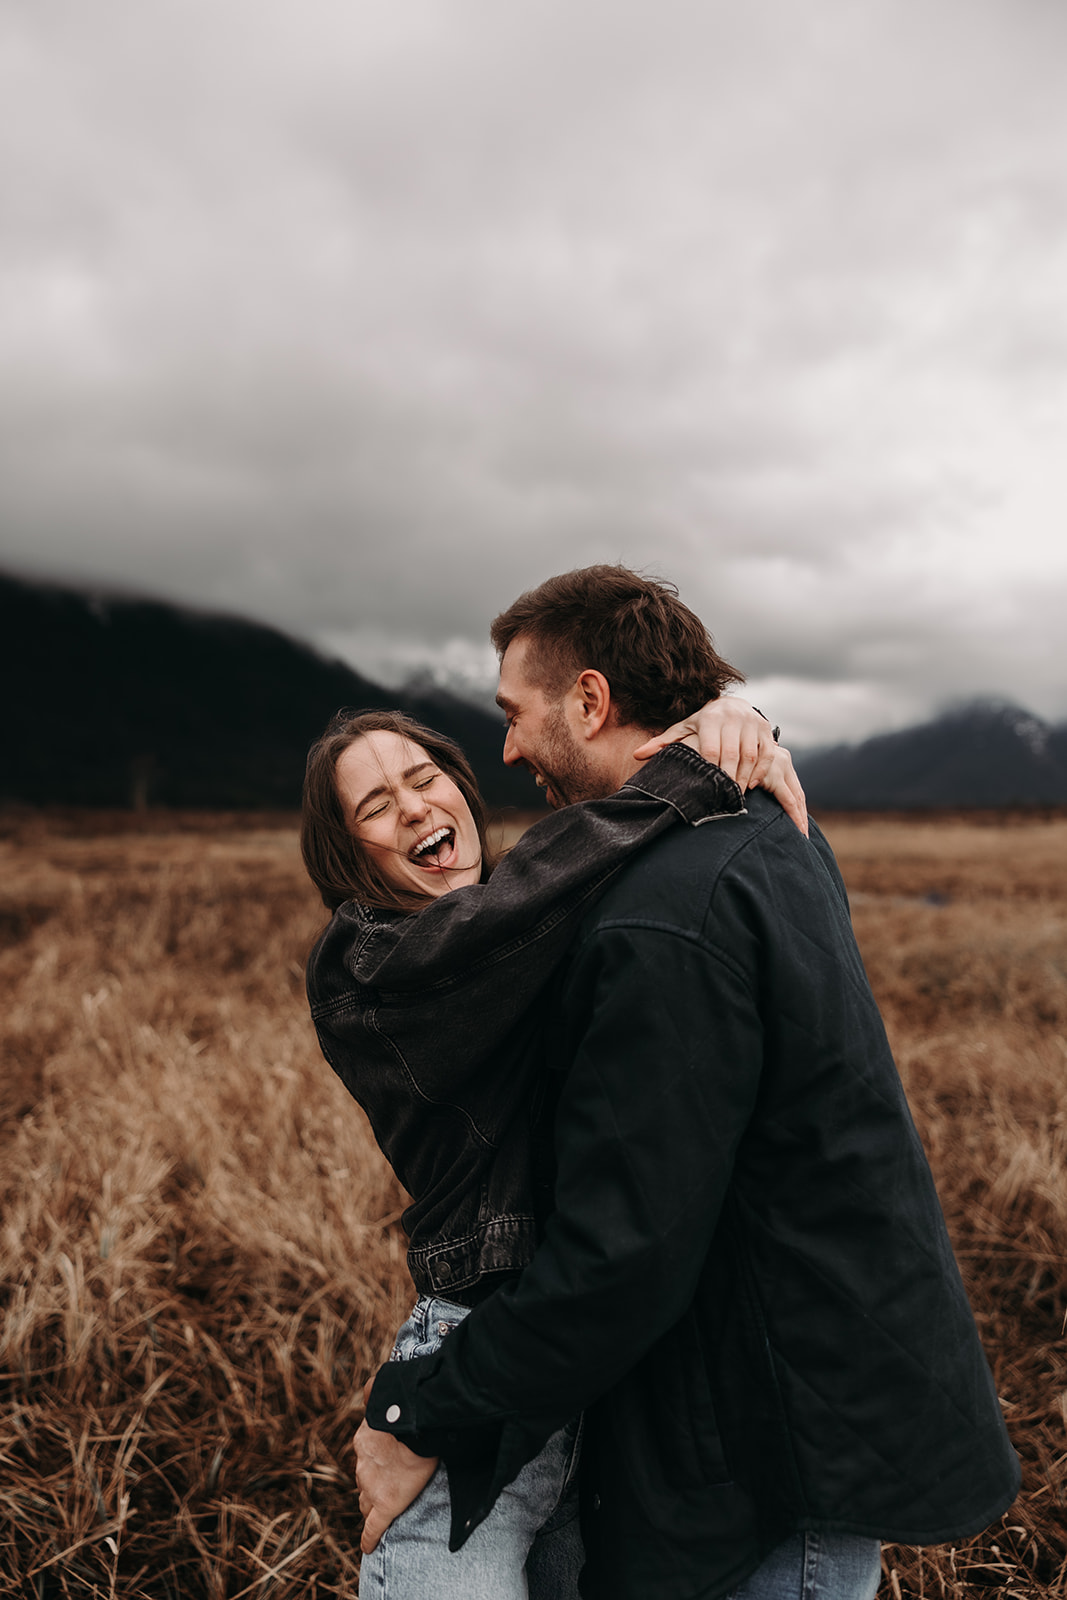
point(384, 788)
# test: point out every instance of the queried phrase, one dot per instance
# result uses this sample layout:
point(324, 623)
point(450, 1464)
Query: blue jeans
point(816, 1566)
point(528, 1546)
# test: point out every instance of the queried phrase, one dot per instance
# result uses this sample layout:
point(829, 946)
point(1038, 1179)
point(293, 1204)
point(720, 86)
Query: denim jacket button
point(444, 1269)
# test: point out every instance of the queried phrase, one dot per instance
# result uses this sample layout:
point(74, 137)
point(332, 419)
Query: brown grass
point(200, 1257)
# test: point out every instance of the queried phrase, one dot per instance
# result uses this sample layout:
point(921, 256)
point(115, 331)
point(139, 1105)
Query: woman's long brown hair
point(337, 862)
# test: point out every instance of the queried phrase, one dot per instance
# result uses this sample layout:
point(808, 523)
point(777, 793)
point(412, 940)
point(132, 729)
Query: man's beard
point(565, 766)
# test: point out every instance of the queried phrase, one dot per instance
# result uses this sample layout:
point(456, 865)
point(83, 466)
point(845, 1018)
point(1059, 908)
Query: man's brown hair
point(655, 653)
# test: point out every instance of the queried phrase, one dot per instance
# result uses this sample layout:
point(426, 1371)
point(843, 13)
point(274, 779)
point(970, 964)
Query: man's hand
point(733, 735)
point(389, 1477)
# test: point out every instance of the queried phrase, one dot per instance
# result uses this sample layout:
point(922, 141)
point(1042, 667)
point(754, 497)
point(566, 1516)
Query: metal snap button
point(393, 1414)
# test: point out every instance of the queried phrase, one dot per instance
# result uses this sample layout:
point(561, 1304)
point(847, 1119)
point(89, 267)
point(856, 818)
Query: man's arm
point(667, 1050)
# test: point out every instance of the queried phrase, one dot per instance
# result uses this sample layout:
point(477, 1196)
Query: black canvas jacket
point(747, 1282)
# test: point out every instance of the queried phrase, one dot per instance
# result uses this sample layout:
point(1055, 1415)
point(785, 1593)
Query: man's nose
point(511, 748)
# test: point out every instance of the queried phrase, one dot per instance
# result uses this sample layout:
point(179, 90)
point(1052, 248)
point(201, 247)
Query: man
point(746, 1284)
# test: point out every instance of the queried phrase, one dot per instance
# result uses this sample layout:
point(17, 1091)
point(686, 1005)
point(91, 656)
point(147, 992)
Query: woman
point(424, 989)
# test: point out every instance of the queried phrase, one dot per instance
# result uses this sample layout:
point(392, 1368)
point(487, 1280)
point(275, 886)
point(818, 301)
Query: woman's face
point(411, 818)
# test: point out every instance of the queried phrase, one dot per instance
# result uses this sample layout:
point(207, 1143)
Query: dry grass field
point(201, 1257)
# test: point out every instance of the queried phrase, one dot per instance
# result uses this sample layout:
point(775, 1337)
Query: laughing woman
point(426, 991)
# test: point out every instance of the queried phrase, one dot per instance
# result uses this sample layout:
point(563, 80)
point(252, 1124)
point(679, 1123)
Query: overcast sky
point(359, 318)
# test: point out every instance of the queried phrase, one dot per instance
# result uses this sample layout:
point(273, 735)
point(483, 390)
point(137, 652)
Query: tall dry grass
point(200, 1253)
point(200, 1257)
point(963, 928)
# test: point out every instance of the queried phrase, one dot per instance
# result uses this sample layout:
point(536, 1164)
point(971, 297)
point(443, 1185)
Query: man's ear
point(591, 702)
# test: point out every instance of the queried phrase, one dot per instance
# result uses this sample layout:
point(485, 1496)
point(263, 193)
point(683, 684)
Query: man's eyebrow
point(504, 703)
point(384, 788)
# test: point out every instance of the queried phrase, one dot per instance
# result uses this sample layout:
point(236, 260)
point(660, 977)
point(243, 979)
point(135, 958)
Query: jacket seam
point(428, 1099)
point(671, 930)
point(457, 1241)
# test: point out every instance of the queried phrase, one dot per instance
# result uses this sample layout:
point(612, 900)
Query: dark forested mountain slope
point(989, 753)
point(113, 702)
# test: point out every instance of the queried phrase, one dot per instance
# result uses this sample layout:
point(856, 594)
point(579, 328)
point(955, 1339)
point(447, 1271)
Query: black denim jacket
point(432, 1020)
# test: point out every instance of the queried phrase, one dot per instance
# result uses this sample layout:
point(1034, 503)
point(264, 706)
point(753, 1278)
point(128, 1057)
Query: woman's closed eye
point(380, 807)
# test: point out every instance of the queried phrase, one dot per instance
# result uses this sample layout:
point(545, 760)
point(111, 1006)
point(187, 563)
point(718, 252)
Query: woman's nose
point(413, 805)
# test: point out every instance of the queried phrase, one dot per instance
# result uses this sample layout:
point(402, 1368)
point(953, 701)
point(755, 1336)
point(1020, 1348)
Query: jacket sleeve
point(666, 1048)
point(552, 871)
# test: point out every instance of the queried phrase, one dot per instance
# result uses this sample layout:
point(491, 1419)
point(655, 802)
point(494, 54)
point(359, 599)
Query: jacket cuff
point(394, 1407)
point(480, 1460)
point(697, 789)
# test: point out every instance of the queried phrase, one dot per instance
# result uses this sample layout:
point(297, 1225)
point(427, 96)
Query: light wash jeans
point(816, 1566)
point(528, 1546)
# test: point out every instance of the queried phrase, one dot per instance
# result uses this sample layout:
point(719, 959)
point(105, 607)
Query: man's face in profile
point(540, 737)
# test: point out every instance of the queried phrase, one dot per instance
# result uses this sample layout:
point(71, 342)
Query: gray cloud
point(361, 319)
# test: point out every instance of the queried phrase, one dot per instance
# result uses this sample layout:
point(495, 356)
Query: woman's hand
point(735, 736)
point(389, 1477)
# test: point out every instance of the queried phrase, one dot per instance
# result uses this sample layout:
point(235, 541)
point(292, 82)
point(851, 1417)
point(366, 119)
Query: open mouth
point(546, 789)
point(434, 849)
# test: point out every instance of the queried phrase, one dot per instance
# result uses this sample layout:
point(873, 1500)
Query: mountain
point(987, 753)
point(116, 702)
